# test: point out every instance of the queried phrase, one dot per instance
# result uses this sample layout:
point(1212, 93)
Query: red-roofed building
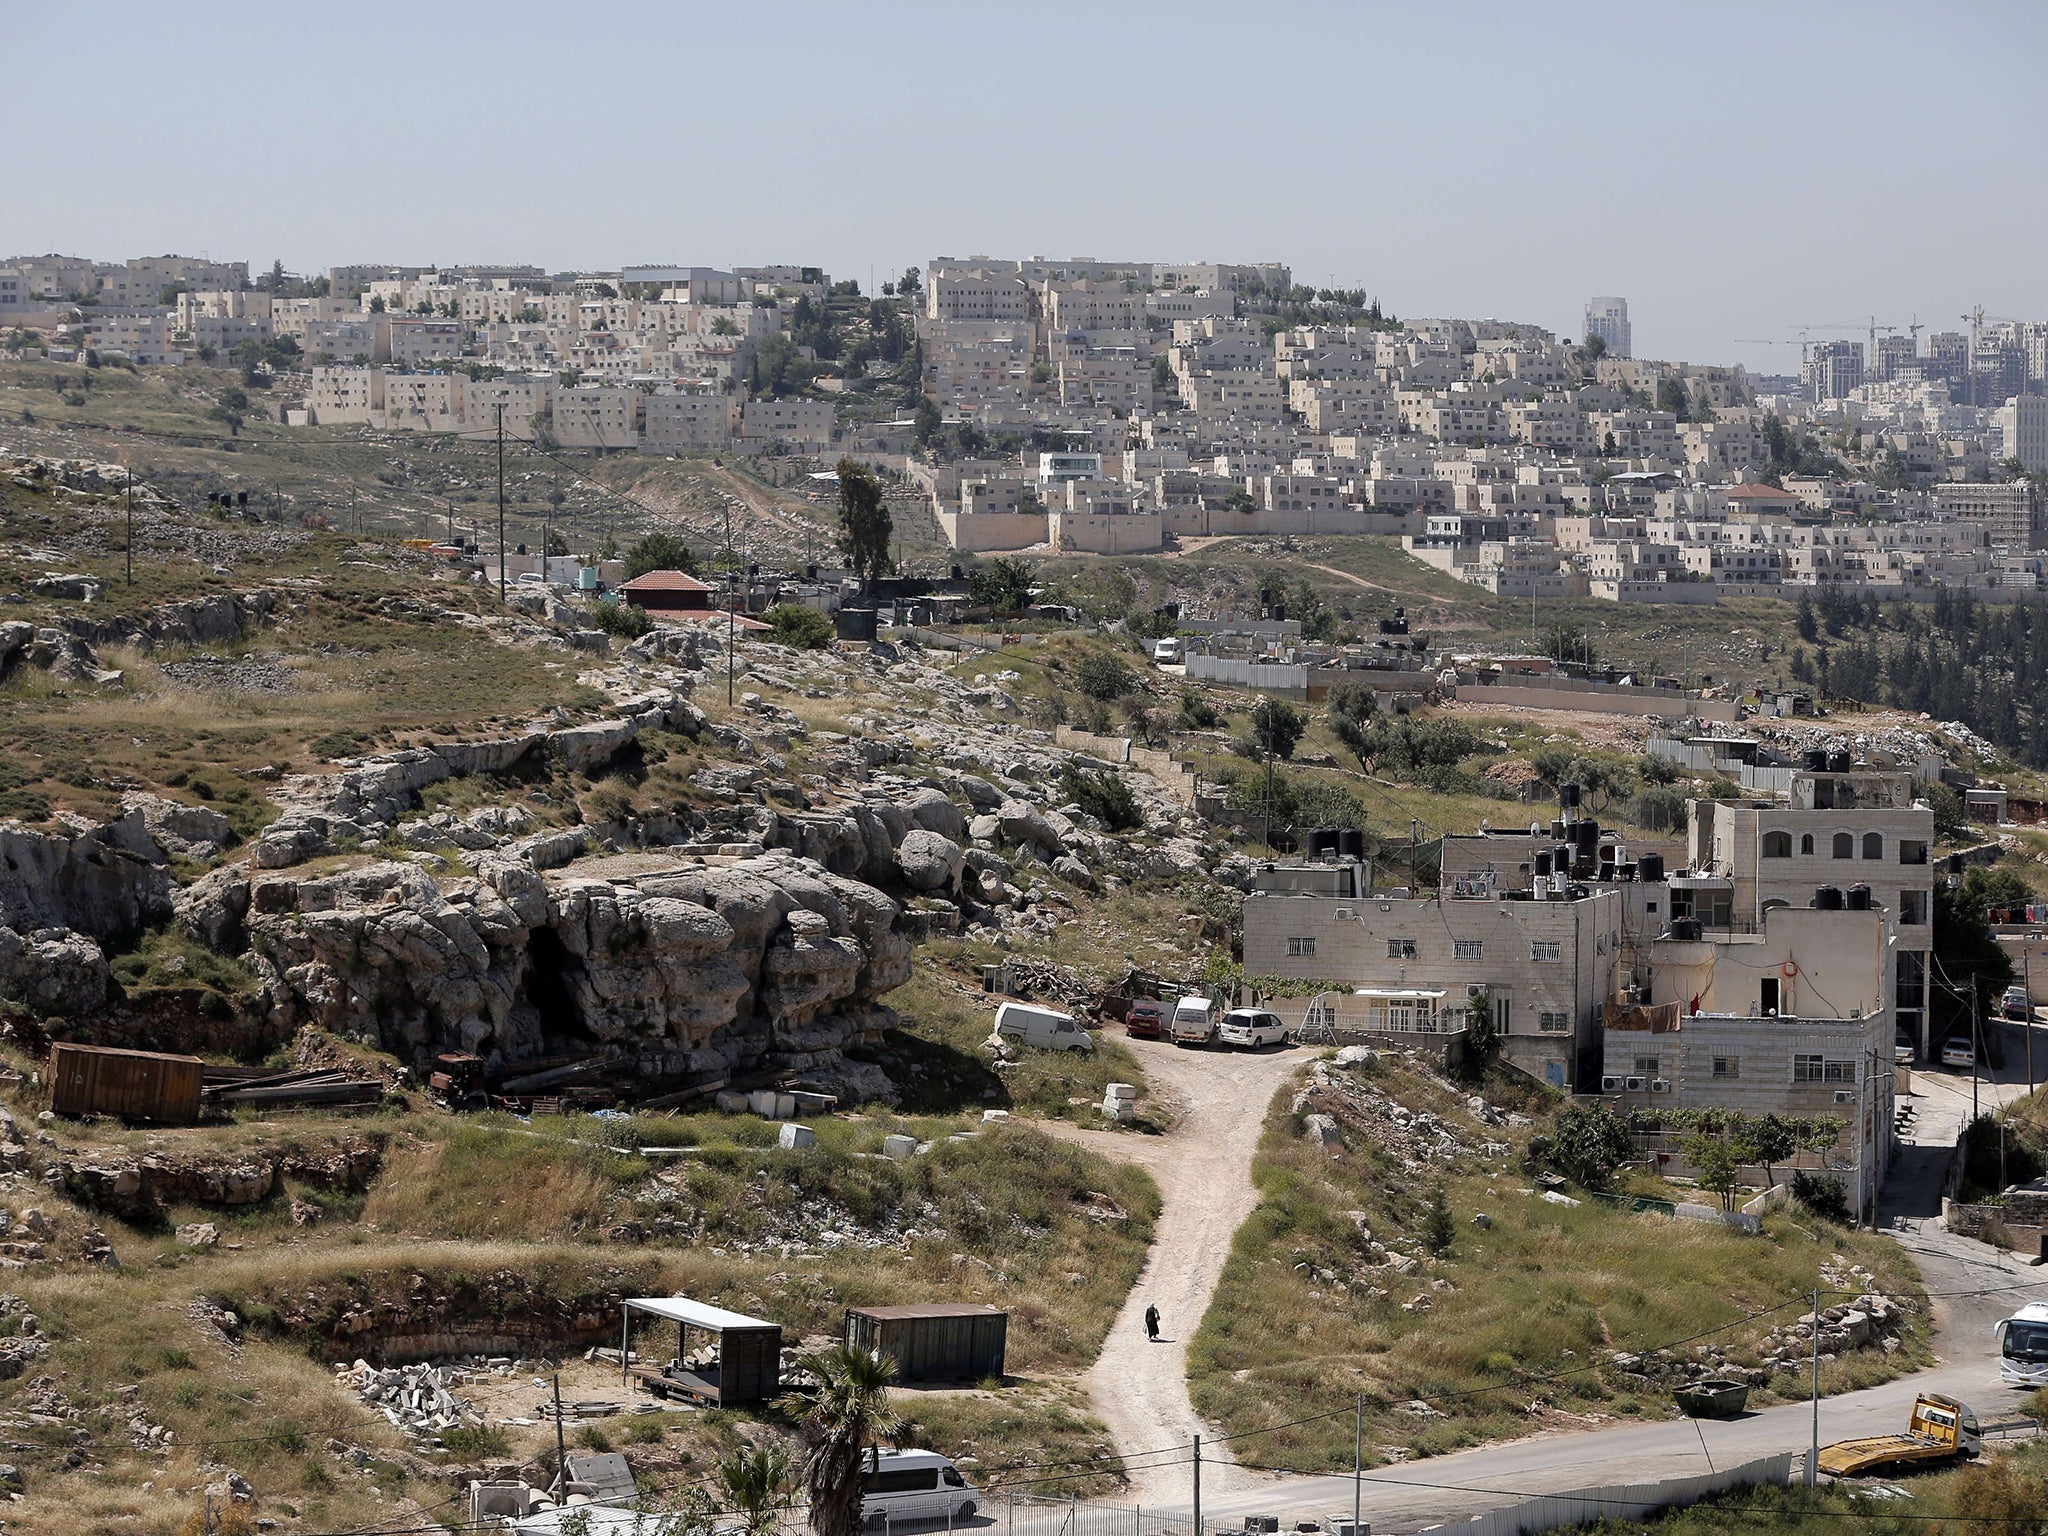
point(668, 592)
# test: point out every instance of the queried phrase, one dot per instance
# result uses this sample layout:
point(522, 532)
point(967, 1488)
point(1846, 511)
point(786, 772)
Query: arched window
point(1845, 845)
point(1806, 842)
point(1777, 845)
point(1873, 845)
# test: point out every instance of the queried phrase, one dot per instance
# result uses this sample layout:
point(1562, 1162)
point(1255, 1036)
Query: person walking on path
point(1152, 1324)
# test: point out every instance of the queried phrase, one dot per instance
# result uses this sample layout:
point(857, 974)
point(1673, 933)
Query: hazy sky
point(1735, 170)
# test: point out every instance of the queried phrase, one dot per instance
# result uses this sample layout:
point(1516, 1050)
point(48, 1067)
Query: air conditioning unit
point(1610, 1085)
point(1845, 1095)
point(1659, 1085)
point(1635, 1085)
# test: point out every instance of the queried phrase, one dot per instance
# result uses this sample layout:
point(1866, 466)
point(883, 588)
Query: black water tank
point(1859, 898)
point(1816, 760)
point(1586, 835)
point(1650, 867)
point(1838, 762)
point(1828, 898)
point(1561, 858)
point(1542, 865)
point(1568, 796)
point(1351, 843)
point(1322, 840)
point(1686, 929)
point(855, 623)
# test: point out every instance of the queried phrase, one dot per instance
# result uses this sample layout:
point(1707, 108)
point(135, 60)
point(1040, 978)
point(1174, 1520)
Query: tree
point(1103, 676)
point(1809, 627)
point(912, 281)
point(2012, 468)
point(864, 525)
point(805, 628)
point(1715, 1162)
point(1003, 584)
point(1439, 1231)
point(1482, 1036)
point(1196, 712)
point(1586, 1145)
point(849, 1417)
point(659, 552)
point(1671, 396)
point(754, 1483)
point(1277, 726)
point(2001, 1497)
point(929, 421)
point(558, 542)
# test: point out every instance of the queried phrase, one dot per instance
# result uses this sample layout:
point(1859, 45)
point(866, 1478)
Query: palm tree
point(753, 1483)
point(849, 1417)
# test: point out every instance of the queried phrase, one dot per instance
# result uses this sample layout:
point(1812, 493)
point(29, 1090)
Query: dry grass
point(1518, 1319)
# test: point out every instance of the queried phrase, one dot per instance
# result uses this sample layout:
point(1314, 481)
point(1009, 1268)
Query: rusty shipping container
point(136, 1085)
point(942, 1341)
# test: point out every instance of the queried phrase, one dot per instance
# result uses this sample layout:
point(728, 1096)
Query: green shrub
point(805, 628)
point(1822, 1195)
point(659, 552)
point(476, 1440)
point(621, 619)
point(1103, 676)
point(1101, 793)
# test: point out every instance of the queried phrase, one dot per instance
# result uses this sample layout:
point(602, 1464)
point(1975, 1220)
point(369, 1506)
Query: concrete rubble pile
point(418, 1399)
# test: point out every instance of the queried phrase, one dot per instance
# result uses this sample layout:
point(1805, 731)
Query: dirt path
point(1357, 581)
point(1203, 1169)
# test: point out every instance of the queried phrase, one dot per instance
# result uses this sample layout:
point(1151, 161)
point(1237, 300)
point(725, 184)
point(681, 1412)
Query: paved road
point(1208, 1156)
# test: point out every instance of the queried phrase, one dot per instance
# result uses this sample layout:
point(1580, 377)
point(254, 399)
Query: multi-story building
point(800, 423)
point(1832, 369)
point(2023, 423)
point(1607, 318)
point(597, 417)
point(2009, 513)
point(674, 422)
point(1415, 961)
point(1842, 831)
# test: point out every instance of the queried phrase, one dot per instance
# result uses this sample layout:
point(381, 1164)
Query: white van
point(1194, 1021)
point(1167, 652)
point(1045, 1028)
point(1251, 1028)
point(906, 1487)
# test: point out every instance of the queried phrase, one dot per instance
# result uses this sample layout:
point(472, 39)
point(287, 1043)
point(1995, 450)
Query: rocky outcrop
point(51, 650)
point(365, 799)
point(694, 971)
point(140, 1188)
point(190, 621)
point(53, 970)
point(63, 895)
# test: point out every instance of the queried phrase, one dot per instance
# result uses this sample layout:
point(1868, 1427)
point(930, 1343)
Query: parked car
point(1251, 1028)
point(2016, 1004)
point(1194, 1021)
point(1167, 652)
point(1046, 1028)
point(1957, 1051)
point(910, 1486)
point(1903, 1049)
point(1146, 1020)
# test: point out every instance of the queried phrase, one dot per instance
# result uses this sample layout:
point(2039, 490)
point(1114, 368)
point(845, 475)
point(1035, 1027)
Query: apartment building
point(675, 422)
point(1414, 962)
point(2009, 513)
point(977, 293)
point(601, 416)
point(524, 397)
point(141, 334)
point(799, 423)
point(1854, 834)
point(423, 402)
point(1607, 318)
point(345, 396)
point(2023, 430)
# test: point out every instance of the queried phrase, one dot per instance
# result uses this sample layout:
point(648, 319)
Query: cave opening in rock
point(549, 987)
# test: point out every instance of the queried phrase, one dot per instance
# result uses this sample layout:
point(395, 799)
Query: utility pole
point(1198, 1485)
point(562, 1451)
point(1357, 1460)
point(1813, 1451)
point(1976, 1043)
point(128, 502)
point(2027, 969)
point(501, 503)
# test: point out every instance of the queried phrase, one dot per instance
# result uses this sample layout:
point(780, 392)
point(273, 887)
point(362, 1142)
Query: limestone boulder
point(929, 861)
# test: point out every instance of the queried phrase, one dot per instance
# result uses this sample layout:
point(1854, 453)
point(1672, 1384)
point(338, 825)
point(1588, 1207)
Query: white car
point(1167, 652)
point(1958, 1052)
point(1251, 1028)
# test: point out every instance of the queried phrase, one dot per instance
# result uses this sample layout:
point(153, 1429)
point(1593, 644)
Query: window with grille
point(1727, 1066)
point(1468, 949)
point(1400, 949)
point(1297, 948)
point(1546, 949)
point(1553, 1023)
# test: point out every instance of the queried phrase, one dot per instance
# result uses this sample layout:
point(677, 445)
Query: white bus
point(2023, 1346)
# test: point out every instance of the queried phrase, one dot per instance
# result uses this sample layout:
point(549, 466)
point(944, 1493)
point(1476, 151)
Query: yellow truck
point(1941, 1430)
